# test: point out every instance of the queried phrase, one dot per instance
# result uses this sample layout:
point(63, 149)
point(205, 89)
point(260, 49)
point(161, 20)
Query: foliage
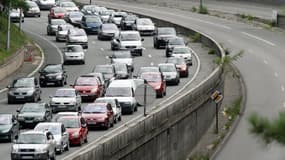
point(232, 111)
point(267, 130)
point(196, 37)
point(247, 16)
point(193, 9)
point(203, 10)
point(15, 3)
point(211, 51)
point(200, 156)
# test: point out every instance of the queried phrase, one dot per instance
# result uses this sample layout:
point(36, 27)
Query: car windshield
point(144, 22)
point(105, 13)
point(79, 32)
point(176, 60)
point(64, 93)
point(151, 77)
point(130, 37)
point(64, 27)
point(32, 108)
point(181, 50)
point(166, 31)
point(77, 48)
point(58, 10)
point(121, 68)
point(52, 69)
point(68, 4)
point(31, 139)
point(69, 122)
point(109, 27)
point(104, 69)
point(148, 69)
point(57, 22)
point(95, 108)
point(75, 14)
point(111, 101)
point(130, 18)
point(167, 68)
point(86, 81)
point(54, 129)
point(5, 119)
point(23, 82)
point(93, 20)
point(118, 92)
point(122, 55)
point(176, 41)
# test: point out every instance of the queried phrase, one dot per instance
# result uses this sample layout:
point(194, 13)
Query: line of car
point(110, 87)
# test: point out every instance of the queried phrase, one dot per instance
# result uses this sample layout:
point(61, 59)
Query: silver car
point(74, 53)
point(144, 25)
point(77, 36)
point(65, 99)
point(59, 132)
point(34, 145)
point(170, 73)
point(184, 52)
point(53, 24)
point(62, 31)
point(123, 57)
point(108, 31)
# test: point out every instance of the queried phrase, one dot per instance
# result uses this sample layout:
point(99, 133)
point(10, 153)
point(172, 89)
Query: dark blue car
point(91, 23)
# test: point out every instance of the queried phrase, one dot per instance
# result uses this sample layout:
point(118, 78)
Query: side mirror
point(50, 96)
point(84, 125)
point(142, 39)
point(18, 110)
point(71, 85)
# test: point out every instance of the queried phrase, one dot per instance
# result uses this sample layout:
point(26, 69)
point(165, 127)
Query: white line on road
point(282, 88)
point(93, 42)
point(149, 56)
point(265, 61)
point(102, 49)
point(276, 74)
point(258, 38)
point(151, 63)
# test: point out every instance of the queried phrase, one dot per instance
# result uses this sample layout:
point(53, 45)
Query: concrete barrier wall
point(281, 21)
point(270, 2)
point(170, 131)
point(12, 64)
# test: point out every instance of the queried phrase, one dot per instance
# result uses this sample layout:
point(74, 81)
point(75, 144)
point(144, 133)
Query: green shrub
point(196, 37)
point(211, 52)
point(203, 10)
point(193, 9)
point(200, 156)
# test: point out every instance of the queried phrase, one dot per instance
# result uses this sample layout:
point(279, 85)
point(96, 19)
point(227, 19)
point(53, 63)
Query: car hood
point(78, 38)
point(131, 43)
point(154, 84)
point(5, 127)
point(76, 19)
point(128, 61)
point(124, 99)
point(32, 114)
point(59, 14)
point(72, 130)
point(73, 53)
point(165, 36)
point(30, 146)
point(62, 99)
point(117, 20)
point(145, 27)
point(169, 73)
point(68, 9)
point(93, 24)
point(21, 89)
point(182, 55)
point(84, 88)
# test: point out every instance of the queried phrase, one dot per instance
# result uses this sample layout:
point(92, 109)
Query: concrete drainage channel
point(169, 131)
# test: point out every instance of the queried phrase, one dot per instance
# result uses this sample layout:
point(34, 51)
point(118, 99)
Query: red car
point(56, 13)
point(76, 128)
point(180, 64)
point(99, 115)
point(89, 87)
point(156, 80)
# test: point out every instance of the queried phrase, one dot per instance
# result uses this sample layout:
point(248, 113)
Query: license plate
point(28, 121)
point(27, 157)
point(20, 97)
point(61, 106)
point(91, 122)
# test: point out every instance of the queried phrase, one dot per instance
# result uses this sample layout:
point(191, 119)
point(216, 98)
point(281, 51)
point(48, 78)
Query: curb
point(35, 70)
point(238, 118)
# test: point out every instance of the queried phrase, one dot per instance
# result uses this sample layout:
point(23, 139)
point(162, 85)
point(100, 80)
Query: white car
point(62, 31)
point(74, 53)
point(46, 4)
point(105, 15)
point(115, 105)
point(124, 92)
point(145, 26)
point(77, 36)
point(116, 17)
point(184, 52)
point(33, 10)
point(65, 99)
point(62, 114)
point(68, 6)
point(59, 132)
point(39, 144)
point(16, 15)
point(128, 40)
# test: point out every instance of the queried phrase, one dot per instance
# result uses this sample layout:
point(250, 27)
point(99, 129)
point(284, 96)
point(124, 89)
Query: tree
point(267, 130)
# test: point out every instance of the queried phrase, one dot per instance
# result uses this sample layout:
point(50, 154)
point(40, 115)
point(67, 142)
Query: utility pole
point(144, 98)
point(90, 2)
point(8, 28)
point(21, 18)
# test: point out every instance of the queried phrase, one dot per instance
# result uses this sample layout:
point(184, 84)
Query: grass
point(196, 37)
point(18, 39)
point(203, 10)
point(200, 156)
point(193, 9)
point(247, 17)
point(232, 112)
point(211, 52)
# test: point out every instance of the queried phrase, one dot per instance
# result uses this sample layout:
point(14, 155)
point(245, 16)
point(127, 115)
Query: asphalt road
point(96, 54)
point(262, 67)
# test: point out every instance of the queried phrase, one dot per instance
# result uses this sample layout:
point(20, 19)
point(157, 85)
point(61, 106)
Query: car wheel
point(53, 156)
point(83, 62)
point(115, 120)
point(140, 53)
point(42, 84)
point(67, 147)
point(136, 108)
point(112, 124)
point(107, 125)
point(61, 83)
point(120, 118)
point(86, 140)
point(10, 101)
point(35, 98)
point(56, 39)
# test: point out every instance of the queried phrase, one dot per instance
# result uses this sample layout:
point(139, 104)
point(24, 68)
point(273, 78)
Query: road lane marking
point(258, 38)
point(151, 63)
point(282, 88)
point(149, 56)
point(102, 49)
point(276, 74)
point(265, 61)
point(250, 50)
point(93, 42)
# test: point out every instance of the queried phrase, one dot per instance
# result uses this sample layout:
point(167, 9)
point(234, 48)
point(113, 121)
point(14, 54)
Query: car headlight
point(58, 76)
point(14, 150)
point(42, 77)
point(11, 93)
point(75, 134)
point(72, 102)
point(94, 90)
point(157, 87)
point(30, 92)
point(20, 118)
point(41, 150)
point(39, 118)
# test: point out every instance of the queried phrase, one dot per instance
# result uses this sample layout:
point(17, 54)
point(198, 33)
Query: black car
point(162, 35)
point(108, 71)
point(173, 42)
point(25, 89)
point(31, 114)
point(128, 21)
point(9, 127)
point(53, 73)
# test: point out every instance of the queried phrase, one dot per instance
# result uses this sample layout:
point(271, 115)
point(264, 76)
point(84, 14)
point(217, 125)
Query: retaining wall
point(281, 21)
point(12, 64)
point(170, 131)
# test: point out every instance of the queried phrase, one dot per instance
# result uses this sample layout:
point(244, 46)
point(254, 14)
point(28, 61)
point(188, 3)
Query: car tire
point(61, 83)
point(107, 126)
point(120, 118)
point(35, 99)
point(67, 147)
point(83, 62)
point(112, 124)
point(53, 157)
point(10, 101)
point(86, 140)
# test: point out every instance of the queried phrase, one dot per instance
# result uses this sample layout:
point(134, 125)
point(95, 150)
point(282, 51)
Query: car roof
point(166, 64)
point(69, 113)
point(50, 123)
point(129, 32)
point(33, 132)
point(69, 89)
